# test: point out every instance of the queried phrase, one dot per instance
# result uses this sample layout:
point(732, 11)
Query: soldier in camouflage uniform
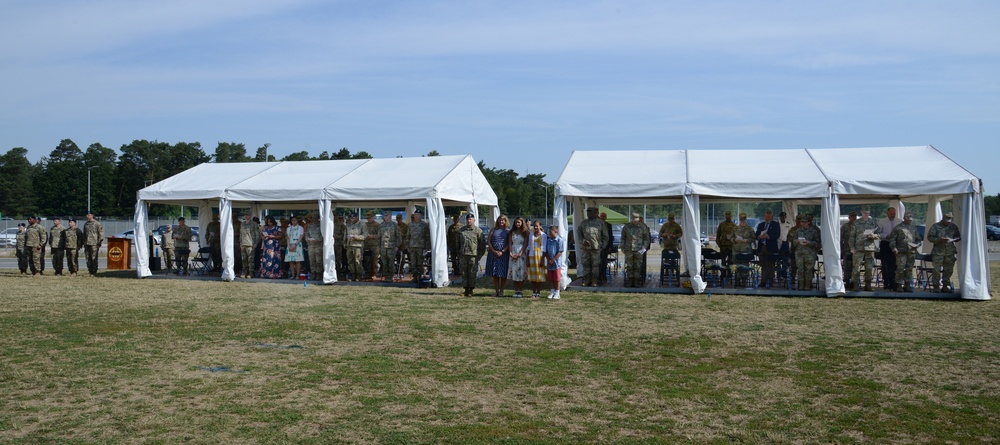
point(389, 241)
point(944, 235)
point(453, 243)
point(904, 242)
point(866, 241)
point(809, 243)
point(635, 238)
point(847, 235)
point(370, 253)
point(94, 233)
point(791, 240)
point(182, 245)
point(743, 237)
point(403, 256)
point(213, 234)
point(471, 247)
point(418, 241)
point(725, 236)
point(249, 238)
point(355, 234)
point(593, 237)
point(71, 240)
point(33, 245)
point(55, 235)
point(43, 235)
point(670, 234)
point(314, 244)
point(22, 251)
point(339, 230)
point(167, 244)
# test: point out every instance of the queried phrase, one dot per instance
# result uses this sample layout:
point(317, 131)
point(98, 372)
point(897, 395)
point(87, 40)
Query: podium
point(119, 254)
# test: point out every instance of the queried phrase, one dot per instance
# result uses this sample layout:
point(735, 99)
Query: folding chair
point(202, 262)
point(712, 268)
point(670, 270)
point(746, 272)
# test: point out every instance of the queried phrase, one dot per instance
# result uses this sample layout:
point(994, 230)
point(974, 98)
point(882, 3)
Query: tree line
point(57, 184)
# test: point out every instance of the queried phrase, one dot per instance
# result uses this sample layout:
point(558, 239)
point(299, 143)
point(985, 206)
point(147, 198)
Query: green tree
point(297, 156)
point(262, 155)
point(61, 181)
point(145, 162)
point(230, 152)
point(17, 192)
point(101, 161)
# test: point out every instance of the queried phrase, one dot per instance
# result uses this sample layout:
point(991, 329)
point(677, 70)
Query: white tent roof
point(394, 181)
point(763, 174)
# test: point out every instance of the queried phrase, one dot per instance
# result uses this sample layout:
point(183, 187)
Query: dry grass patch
point(120, 360)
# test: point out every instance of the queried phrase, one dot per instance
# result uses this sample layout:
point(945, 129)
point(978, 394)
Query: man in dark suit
point(768, 234)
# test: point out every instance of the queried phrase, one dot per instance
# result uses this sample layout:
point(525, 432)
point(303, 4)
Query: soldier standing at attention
point(808, 239)
point(904, 241)
point(58, 251)
point(213, 234)
point(593, 238)
point(389, 241)
point(419, 241)
point(355, 234)
point(71, 241)
point(249, 237)
point(847, 235)
point(314, 242)
point(43, 236)
point(743, 237)
point(33, 245)
point(635, 238)
point(944, 235)
point(182, 243)
point(793, 234)
point(471, 247)
point(94, 233)
point(670, 234)
point(167, 244)
point(370, 253)
point(404, 233)
point(725, 237)
point(22, 251)
point(865, 244)
point(453, 243)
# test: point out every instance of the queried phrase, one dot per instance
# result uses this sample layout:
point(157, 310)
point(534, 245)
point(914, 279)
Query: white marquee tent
point(828, 177)
point(435, 181)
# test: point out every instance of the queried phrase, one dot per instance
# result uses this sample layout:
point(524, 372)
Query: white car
point(8, 238)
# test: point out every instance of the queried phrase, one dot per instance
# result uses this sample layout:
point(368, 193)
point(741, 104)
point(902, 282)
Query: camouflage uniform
point(592, 237)
point(167, 244)
point(389, 240)
point(249, 238)
point(793, 234)
point(725, 236)
point(865, 248)
point(71, 240)
point(670, 234)
point(33, 245)
point(370, 254)
point(943, 253)
point(182, 244)
point(58, 252)
point(808, 239)
point(314, 242)
point(899, 240)
point(213, 234)
point(94, 232)
point(453, 245)
point(22, 251)
point(418, 241)
point(471, 247)
point(339, 230)
point(746, 244)
point(847, 235)
point(635, 238)
point(354, 239)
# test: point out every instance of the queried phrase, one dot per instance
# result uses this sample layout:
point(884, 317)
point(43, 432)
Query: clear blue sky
point(517, 84)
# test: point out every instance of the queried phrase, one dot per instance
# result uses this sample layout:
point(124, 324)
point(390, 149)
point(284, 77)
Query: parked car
point(8, 238)
point(993, 233)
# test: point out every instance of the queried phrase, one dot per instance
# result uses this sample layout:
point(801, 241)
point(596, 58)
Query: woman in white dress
point(517, 269)
point(294, 255)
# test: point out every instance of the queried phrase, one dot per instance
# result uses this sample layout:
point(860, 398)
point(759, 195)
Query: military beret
point(354, 214)
point(72, 219)
point(90, 212)
point(20, 225)
point(180, 219)
point(418, 212)
point(949, 216)
point(743, 215)
point(782, 214)
point(470, 216)
point(807, 218)
point(591, 209)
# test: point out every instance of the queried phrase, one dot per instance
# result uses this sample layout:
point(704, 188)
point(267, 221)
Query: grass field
point(119, 360)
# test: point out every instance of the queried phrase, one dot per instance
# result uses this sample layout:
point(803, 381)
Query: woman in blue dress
point(270, 257)
point(498, 255)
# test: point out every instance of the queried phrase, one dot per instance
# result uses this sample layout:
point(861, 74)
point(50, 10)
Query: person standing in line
point(537, 271)
point(592, 236)
point(943, 234)
point(553, 260)
point(809, 244)
point(249, 237)
point(885, 227)
point(94, 232)
point(725, 238)
point(866, 240)
point(517, 269)
point(270, 261)
point(314, 244)
point(791, 239)
point(418, 242)
point(43, 235)
point(58, 251)
point(71, 240)
point(32, 243)
point(22, 251)
point(404, 251)
point(635, 238)
point(499, 255)
point(905, 241)
point(182, 245)
point(293, 255)
point(213, 234)
point(453, 243)
point(339, 229)
point(389, 241)
point(768, 236)
point(167, 244)
point(355, 234)
point(471, 247)
point(370, 254)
